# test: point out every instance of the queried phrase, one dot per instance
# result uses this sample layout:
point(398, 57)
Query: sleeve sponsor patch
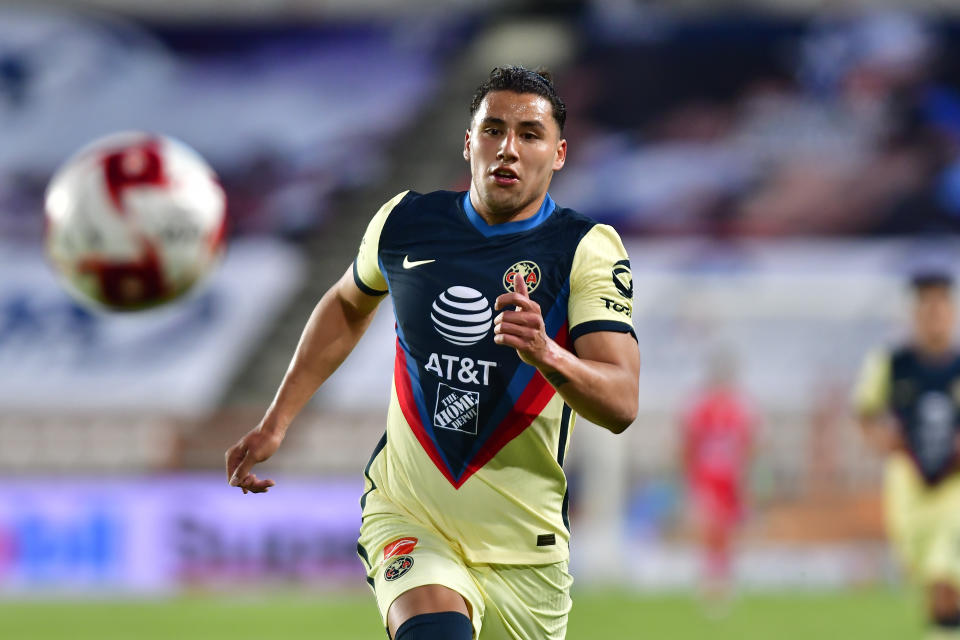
point(601, 283)
point(623, 278)
point(400, 546)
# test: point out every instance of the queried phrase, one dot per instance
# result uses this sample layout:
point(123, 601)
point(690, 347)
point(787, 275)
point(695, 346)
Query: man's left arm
point(600, 381)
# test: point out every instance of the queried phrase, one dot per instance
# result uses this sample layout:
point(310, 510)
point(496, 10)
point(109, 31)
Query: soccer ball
point(134, 220)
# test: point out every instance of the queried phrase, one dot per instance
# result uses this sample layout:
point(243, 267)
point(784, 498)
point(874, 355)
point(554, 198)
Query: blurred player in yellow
point(513, 315)
point(908, 401)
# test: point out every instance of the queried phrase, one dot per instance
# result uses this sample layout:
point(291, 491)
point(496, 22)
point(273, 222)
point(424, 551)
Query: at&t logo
point(461, 315)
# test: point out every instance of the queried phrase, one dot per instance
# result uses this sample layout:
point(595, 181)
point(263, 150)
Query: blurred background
point(776, 168)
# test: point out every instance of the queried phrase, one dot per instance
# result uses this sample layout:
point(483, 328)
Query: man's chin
point(501, 203)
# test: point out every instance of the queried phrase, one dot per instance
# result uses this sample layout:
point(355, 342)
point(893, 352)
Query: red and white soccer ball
point(134, 220)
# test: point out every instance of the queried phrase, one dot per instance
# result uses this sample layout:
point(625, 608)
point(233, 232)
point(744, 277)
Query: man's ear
point(466, 146)
point(561, 156)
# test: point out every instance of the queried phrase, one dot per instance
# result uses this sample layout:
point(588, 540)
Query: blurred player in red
point(717, 440)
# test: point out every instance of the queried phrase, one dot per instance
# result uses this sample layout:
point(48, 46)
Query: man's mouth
point(504, 176)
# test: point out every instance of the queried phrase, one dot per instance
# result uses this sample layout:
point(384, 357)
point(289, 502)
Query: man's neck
point(934, 350)
point(494, 218)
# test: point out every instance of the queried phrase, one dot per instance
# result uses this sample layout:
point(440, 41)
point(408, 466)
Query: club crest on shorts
point(528, 270)
point(397, 568)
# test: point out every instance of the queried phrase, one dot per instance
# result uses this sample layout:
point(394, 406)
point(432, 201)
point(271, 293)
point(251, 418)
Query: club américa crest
point(528, 270)
point(398, 567)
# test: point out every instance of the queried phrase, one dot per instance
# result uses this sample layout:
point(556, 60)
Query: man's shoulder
point(573, 225)
point(415, 209)
point(908, 357)
point(569, 214)
point(432, 199)
point(572, 217)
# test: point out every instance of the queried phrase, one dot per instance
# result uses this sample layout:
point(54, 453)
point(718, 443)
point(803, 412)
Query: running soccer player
point(717, 441)
point(908, 400)
point(513, 315)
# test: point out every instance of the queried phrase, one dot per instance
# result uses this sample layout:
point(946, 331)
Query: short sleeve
point(872, 393)
point(601, 285)
point(366, 266)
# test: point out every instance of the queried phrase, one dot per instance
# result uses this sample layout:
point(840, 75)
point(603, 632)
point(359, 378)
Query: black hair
point(522, 80)
point(928, 279)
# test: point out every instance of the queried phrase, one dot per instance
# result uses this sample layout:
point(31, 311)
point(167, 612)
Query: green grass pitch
point(845, 615)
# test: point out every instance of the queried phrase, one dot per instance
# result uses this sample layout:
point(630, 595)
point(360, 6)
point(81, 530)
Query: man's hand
point(253, 448)
point(523, 328)
point(599, 381)
point(882, 433)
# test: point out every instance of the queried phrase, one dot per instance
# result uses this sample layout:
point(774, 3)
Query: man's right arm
point(872, 401)
point(333, 330)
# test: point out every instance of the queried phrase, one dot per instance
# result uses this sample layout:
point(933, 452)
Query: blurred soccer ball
point(134, 220)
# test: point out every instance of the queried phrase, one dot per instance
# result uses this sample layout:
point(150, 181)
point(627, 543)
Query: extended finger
point(519, 285)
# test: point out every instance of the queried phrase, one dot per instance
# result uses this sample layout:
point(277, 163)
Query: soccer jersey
point(718, 431)
point(924, 396)
point(475, 438)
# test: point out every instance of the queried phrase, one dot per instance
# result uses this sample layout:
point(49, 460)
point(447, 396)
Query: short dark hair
point(922, 280)
point(522, 80)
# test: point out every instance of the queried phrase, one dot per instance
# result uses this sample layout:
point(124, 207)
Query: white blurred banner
point(55, 355)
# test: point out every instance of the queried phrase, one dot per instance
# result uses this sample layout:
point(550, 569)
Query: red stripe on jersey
point(529, 405)
point(527, 408)
point(408, 406)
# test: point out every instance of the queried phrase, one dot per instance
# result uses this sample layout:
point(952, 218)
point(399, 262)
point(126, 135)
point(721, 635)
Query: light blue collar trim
point(488, 230)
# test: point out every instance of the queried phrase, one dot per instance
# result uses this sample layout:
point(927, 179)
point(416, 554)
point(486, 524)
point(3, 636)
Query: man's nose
point(508, 148)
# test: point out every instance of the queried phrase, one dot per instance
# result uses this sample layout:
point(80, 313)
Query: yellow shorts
point(507, 602)
point(923, 522)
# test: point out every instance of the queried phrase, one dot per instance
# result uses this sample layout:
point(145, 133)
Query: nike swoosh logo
point(407, 264)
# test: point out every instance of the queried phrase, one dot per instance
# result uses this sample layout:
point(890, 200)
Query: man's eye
point(493, 132)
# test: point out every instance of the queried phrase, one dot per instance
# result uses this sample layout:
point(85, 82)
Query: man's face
point(513, 147)
point(934, 315)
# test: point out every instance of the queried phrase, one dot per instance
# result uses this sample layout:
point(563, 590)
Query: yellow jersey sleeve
point(601, 285)
point(366, 266)
point(871, 395)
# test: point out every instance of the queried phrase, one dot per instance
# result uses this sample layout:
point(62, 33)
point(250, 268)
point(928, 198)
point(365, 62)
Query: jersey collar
point(507, 227)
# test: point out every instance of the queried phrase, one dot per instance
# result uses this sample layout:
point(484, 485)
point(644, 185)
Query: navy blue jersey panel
point(925, 398)
point(445, 277)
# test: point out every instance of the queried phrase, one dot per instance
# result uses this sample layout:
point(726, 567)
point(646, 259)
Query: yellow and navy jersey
point(924, 397)
point(475, 438)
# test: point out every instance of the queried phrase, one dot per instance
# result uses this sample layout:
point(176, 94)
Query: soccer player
point(908, 400)
point(717, 441)
point(513, 315)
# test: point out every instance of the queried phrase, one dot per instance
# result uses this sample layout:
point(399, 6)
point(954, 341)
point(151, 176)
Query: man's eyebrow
point(535, 124)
